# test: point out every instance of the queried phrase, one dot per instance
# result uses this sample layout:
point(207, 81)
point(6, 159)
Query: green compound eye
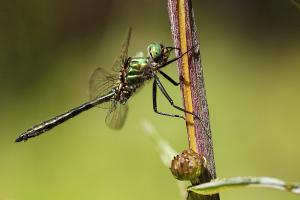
point(155, 52)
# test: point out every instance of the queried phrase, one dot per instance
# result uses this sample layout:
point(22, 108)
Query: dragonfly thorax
point(134, 74)
point(138, 71)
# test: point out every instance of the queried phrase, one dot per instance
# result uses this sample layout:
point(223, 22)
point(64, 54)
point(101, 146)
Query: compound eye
point(151, 55)
point(149, 49)
point(154, 51)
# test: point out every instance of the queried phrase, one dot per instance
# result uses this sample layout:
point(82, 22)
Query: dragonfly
point(112, 90)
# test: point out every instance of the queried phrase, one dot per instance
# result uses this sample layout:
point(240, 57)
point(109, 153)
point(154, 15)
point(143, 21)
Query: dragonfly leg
point(176, 58)
point(173, 48)
point(169, 78)
point(154, 92)
point(163, 90)
point(172, 60)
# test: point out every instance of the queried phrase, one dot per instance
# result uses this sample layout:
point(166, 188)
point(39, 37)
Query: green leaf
point(216, 186)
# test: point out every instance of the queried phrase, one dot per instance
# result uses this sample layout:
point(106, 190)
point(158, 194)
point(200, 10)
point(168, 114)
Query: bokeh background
point(48, 49)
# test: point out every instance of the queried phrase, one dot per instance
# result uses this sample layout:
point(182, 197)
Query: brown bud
point(188, 165)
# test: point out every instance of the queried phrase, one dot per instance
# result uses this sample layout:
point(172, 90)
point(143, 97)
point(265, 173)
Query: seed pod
point(187, 166)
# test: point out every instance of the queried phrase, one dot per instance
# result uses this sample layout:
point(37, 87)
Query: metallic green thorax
point(139, 69)
point(136, 70)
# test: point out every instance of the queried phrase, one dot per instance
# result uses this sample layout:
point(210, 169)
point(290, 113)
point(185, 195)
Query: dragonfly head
point(158, 53)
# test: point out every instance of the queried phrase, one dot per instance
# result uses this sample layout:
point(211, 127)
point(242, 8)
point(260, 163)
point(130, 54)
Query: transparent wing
point(116, 115)
point(101, 83)
point(119, 61)
point(139, 54)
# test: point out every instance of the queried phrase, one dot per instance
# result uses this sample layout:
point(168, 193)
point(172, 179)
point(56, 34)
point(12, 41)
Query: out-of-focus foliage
point(48, 49)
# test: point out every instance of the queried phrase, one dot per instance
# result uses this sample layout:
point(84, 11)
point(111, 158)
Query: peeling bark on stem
point(192, 86)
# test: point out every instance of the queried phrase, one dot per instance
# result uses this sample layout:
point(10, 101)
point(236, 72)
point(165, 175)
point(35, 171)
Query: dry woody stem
point(192, 85)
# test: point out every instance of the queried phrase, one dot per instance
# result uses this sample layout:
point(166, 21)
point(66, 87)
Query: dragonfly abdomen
point(53, 122)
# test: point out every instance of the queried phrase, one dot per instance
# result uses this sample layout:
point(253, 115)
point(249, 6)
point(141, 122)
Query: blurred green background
point(48, 49)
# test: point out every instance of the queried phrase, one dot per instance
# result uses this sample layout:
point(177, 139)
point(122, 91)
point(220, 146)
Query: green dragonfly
point(111, 91)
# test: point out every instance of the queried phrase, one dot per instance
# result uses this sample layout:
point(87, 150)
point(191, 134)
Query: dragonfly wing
point(119, 61)
point(139, 54)
point(116, 115)
point(101, 83)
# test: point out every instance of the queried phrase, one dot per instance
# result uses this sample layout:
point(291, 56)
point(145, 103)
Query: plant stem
point(192, 86)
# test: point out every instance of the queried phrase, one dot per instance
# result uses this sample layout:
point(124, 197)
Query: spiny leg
point(170, 61)
point(173, 48)
point(163, 90)
point(176, 58)
point(169, 78)
point(154, 98)
point(176, 84)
